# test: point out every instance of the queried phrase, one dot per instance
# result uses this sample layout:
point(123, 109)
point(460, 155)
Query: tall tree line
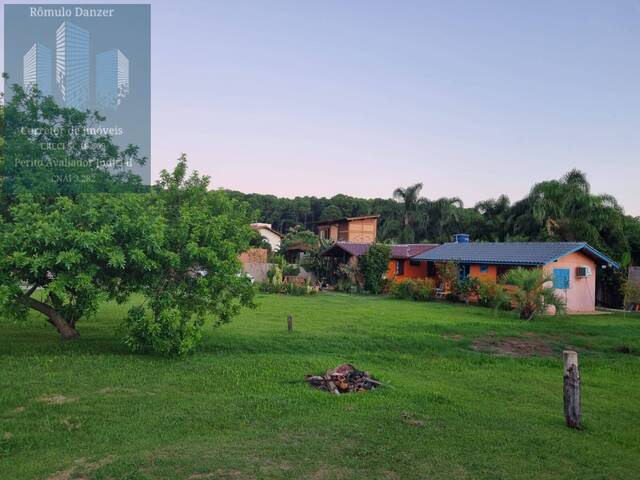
point(564, 209)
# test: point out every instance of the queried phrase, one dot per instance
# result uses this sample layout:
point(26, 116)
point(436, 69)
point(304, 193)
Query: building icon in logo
point(112, 78)
point(37, 69)
point(72, 65)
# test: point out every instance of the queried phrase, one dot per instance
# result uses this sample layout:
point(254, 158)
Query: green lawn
point(239, 409)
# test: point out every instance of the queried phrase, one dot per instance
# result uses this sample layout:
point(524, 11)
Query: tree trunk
point(54, 318)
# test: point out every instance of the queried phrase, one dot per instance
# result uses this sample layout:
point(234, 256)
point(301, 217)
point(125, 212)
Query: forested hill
point(555, 210)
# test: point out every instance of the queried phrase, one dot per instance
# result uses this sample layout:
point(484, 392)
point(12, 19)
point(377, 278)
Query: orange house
point(402, 266)
point(572, 266)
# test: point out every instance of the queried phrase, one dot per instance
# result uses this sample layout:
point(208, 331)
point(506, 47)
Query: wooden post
point(290, 323)
point(571, 389)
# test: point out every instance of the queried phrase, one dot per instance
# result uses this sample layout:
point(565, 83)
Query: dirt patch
point(115, 391)
point(80, 468)
point(218, 475)
point(62, 474)
point(71, 423)
point(16, 411)
point(454, 336)
point(56, 399)
point(531, 346)
point(411, 420)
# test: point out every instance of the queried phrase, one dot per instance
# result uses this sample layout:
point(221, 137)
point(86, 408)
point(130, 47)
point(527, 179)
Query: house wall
point(362, 230)
point(336, 232)
point(490, 275)
point(410, 271)
point(254, 255)
point(271, 237)
point(581, 295)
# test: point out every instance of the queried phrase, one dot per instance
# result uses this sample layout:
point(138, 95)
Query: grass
point(239, 408)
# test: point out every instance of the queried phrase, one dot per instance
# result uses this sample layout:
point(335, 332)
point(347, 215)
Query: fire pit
point(343, 379)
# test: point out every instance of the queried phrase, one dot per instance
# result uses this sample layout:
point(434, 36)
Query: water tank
point(461, 238)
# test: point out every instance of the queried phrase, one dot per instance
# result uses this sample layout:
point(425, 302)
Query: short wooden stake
point(290, 323)
point(571, 389)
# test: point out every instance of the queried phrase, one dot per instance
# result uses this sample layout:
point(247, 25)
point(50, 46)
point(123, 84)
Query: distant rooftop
point(347, 219)
point(266, 226)
point(400, 251)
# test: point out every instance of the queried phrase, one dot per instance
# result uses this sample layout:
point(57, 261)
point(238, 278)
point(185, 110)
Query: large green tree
point(196, 272)
point(63, 251)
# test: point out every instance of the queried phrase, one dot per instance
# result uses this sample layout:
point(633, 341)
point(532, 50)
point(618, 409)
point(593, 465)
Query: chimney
point(461, 238)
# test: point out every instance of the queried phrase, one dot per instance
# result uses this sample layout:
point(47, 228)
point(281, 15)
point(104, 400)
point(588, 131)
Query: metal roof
point(516, 253)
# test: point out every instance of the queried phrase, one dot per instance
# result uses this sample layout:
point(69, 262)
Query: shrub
point(631, 294)
point(170, 333)
point(276, 284)
point(492, 294)
point(531, 295)
point(465, 289)
point(299, 290)
point(420, 289)
point(373, 265)
point(291, 270)
point(274, 276)
point(424, 289)
point(403, 289)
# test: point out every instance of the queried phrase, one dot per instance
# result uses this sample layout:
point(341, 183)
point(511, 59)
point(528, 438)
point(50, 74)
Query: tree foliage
point(63, 250)
point(196, 266)
point(373, 265)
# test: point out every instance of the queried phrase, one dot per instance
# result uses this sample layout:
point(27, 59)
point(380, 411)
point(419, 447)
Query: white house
point(269, 234)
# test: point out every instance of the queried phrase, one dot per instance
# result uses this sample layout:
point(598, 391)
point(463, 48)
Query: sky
point(471, 98)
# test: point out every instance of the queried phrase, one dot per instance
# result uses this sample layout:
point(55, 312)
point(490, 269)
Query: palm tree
point(567, 209)
point(410, 197)
point(532, 294)
point(497, 216)
point(443, 218)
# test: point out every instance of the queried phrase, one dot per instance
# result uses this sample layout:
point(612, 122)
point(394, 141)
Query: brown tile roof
point(351, 248)
point(346, 219)
point(356, 249)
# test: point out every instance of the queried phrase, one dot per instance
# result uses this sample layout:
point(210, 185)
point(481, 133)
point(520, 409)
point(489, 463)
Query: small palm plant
point(532, 294)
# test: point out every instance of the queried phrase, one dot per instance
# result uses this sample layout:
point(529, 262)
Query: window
point(414, 263)
point(431, 270)
point(399, 267)
point(561, 278)
point(484, 268)
point(463, 271)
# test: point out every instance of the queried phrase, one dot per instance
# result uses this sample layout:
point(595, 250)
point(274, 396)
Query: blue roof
point(516, 253)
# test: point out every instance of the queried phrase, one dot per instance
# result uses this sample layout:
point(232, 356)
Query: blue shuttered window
point(561, 278)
